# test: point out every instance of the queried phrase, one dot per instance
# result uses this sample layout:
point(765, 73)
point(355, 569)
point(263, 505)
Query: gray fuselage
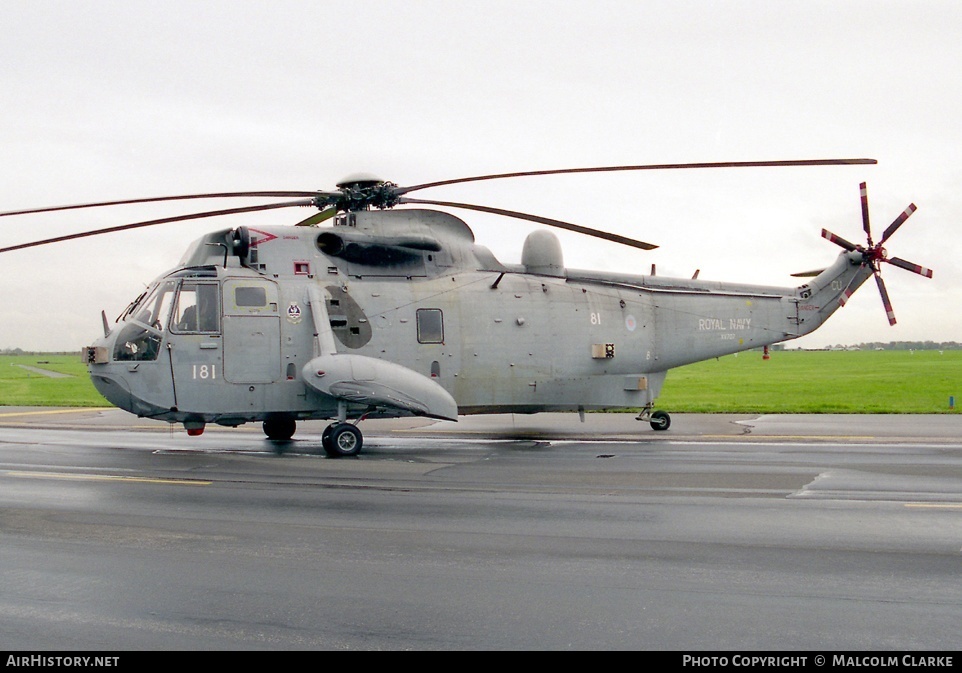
point(412, 288)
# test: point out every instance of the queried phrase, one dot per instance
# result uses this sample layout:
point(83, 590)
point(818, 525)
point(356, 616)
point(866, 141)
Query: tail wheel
point(660, 420)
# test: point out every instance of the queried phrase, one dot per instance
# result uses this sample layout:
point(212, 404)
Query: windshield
point(154, 306)
point(140, 339)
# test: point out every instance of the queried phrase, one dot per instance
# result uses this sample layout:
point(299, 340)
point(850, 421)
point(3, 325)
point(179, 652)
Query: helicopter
point(388, 312)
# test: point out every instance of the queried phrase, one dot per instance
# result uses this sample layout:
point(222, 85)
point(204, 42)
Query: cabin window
point(430, 326)
point(197, 309)
point(247, 296)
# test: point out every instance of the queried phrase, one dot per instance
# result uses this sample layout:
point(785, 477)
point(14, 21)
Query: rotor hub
point(876, 253)
point(360, 191)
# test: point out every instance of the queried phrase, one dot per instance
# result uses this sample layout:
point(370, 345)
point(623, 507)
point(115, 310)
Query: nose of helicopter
point(112, 386)
point(104, 375)
point(113, 378)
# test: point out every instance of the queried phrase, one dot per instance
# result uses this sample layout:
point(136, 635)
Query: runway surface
point(815, 533)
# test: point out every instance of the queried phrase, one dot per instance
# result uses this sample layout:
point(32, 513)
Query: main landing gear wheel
point(342, 440)
point(660, 420)
point(280, 429)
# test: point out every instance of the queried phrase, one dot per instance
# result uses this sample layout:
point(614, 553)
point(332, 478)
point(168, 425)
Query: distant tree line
point(912, 345)
point(882, 345)
point(889, 346)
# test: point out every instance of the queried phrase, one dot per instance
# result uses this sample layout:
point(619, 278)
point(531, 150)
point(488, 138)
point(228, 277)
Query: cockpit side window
point(197, 310)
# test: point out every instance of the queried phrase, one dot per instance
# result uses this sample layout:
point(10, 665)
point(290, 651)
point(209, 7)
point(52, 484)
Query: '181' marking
point(205, 371)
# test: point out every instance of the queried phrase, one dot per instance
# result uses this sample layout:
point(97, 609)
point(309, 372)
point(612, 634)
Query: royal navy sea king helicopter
point(387, 312)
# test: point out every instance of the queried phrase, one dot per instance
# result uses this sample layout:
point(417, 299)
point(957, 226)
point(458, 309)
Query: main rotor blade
point(644, 167)
point(318, 217)
point(889, 313)
point(166, 220)
point(863, 192)
point(541, 220)
point(154, 199)
point(914, 268)
point(838, 240)
point(892, 228)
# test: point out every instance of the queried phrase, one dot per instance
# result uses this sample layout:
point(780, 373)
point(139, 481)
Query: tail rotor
point(873, 254)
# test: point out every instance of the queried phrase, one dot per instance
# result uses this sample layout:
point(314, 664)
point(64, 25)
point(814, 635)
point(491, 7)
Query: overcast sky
point(112, 100)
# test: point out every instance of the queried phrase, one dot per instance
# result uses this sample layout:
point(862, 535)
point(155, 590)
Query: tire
point(660, 420)
point(280, 429)
point(343, 441)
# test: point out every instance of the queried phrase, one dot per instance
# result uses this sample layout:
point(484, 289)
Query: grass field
point(918, 382)
point(851, 382)
point(22, 387)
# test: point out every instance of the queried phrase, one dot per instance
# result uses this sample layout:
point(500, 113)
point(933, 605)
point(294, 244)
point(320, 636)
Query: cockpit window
point(137, 343)
point(155, 307)
point(146, 320)
point(197, 309)
point(131, 307)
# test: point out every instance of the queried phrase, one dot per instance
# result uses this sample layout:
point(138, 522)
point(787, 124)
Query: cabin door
point(252, 338)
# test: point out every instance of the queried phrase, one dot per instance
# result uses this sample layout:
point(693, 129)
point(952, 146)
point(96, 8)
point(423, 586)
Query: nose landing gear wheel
point(341, 440)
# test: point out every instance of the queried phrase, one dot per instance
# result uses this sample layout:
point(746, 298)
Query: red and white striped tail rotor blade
point(863, 193)
point(892, 228)
point(910, 266)
point(889, 313)
point(838, 240)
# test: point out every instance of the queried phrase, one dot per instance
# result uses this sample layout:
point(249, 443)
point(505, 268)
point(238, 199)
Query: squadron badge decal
point(293, 313)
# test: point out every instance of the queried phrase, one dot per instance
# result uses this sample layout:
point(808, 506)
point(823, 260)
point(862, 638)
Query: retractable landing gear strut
point(342, 439)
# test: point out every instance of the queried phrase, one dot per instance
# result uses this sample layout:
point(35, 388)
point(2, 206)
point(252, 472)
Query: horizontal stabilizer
point(807, 274)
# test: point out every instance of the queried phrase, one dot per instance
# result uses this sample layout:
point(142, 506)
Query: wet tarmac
point(773, 533)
